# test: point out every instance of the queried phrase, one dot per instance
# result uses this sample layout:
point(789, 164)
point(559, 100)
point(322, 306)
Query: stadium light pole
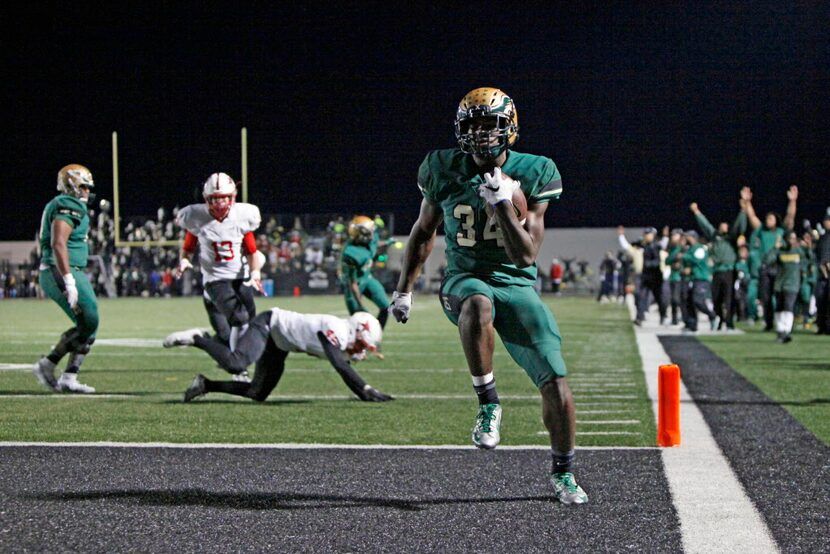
point(244, 137)
point(115, 203)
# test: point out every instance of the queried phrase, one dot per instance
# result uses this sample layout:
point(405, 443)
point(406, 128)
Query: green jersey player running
point(491, 267)
point(64, 251)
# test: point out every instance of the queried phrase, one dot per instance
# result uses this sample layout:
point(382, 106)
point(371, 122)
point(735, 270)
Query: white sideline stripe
point(609, 422)
point(324, 396)
point(714, 511)
point(581, 433)
point(8, 367)
point(61, 396)
point(301, 446)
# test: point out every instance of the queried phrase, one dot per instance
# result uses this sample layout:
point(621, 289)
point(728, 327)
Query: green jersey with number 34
point(450, 178)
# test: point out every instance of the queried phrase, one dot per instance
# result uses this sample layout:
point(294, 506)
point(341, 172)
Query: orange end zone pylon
point(668, 405)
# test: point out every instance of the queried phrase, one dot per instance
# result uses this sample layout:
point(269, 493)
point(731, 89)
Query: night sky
point(643, 109)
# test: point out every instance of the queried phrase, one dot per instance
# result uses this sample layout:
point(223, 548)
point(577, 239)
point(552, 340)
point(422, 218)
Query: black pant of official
point(723, 283)
point(697, 300)
point(652, 284)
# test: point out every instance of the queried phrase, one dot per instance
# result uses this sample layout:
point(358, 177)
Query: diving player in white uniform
point(272, 335)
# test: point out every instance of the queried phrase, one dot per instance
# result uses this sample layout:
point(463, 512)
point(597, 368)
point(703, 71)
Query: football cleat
point(486, 123)
point(486, 430)
point(44, 370)
point(566, 490)
point(241, 377)
point(181, 338)
point(69, 383)
point(219, 192)
point(72, 177)
point(196, 389)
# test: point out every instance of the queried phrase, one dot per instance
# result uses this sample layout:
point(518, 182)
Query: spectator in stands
point(556, 272)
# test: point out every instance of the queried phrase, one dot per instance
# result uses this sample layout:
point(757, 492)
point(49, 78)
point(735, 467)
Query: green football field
point(139, 384)
point(795, 375)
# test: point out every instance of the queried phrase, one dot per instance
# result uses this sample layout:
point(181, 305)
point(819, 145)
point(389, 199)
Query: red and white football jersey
point(220, 242)
point(296, 332)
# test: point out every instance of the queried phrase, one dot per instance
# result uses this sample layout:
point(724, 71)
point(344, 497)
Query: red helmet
point(220, 193)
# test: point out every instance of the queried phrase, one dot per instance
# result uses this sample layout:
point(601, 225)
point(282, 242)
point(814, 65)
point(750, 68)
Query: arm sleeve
point(739, 227)
point(249, 243)
point(335, 356)
point(190, 242)
point(67, 210)
point(705, 226)
point(425, 180)
point(549, 186)
point(624, 244)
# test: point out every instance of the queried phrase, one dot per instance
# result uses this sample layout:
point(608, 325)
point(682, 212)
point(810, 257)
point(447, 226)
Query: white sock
point(787, 322)
point(483, 380)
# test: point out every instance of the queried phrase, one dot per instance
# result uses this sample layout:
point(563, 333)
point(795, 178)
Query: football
point(519, 205)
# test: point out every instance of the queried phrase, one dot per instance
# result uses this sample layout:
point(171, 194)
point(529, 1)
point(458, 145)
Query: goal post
point(116, 202)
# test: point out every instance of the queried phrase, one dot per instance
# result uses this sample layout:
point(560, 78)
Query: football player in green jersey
point(64, 250)
point(356, 269)
point(491, 267)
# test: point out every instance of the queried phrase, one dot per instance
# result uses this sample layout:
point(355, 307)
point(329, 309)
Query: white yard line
point(299, 446)
point(714, 511)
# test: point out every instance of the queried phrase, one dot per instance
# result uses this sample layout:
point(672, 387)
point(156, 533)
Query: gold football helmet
point(72, 177)
point(362, 229)
point(496, 122)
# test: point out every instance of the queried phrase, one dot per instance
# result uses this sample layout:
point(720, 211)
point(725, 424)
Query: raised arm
point(702, 222)
point(746, 205)
point(789, 217)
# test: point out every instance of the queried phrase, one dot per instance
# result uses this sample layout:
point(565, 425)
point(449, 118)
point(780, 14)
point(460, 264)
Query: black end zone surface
point(783, 467)
point(101, 499)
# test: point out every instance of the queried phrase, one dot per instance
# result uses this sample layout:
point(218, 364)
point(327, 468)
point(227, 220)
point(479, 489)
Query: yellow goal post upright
point(116, 202)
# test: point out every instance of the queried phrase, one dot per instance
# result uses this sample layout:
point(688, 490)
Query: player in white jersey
point(223, 231)
point(272, 335)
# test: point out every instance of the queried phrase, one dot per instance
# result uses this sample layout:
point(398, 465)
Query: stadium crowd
point(300, 251)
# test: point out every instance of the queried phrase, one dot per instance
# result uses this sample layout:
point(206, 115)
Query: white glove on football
point(497, 187)
point(401, 304)
point(70, 291)
point(184, 265)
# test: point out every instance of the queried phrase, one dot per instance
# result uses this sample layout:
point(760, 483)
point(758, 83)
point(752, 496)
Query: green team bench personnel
point(356, 269)
point(491, 267)
point(698, 276)
point(64, 251)
point(787, 257)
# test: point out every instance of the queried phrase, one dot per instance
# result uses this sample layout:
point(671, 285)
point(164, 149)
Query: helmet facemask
point(486, 123)
point(365, 335)
point(73, 179)
point(220, 194)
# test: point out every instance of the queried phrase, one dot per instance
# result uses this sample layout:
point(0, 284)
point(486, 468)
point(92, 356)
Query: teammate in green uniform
point(787, 257)
point(723, 247)
point(677, 292)
point(64, 250)
point(698, 276)
point(762, 240)
point(356, 269)
point(491, 267)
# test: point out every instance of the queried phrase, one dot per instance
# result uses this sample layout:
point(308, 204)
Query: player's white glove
point(401, 304)
point(497, 187)
point(256, 281)
point(184, 265)
point(70, 290)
